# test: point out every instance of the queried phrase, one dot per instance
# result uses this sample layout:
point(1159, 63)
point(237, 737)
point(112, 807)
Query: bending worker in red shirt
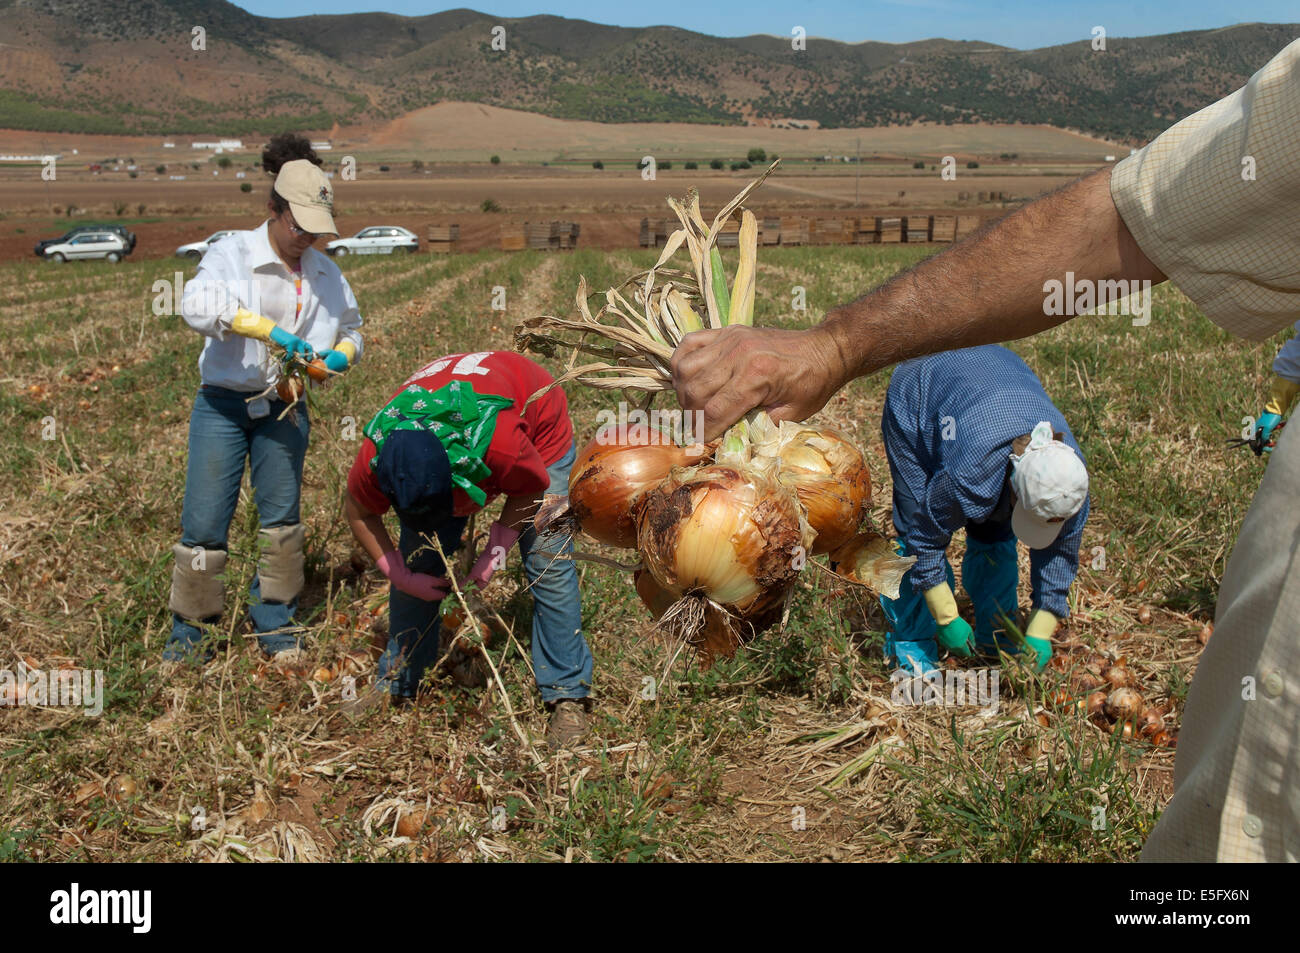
point(455, 436)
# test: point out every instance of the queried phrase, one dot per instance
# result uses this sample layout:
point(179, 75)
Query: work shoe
point(568, 725)
point(920, 656)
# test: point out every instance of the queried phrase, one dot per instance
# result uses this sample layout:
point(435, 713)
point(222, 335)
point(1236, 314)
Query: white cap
point(1050, 483)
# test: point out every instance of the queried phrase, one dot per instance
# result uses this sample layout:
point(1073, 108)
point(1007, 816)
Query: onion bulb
point(289, 389)
point(831, 479)
point(732, 535)
point(1123, 704)
point(317, 370)
point(1118, 676)
point(613, 471)
point(1096, 704)
point(1151, 721)
point(656, 598)
point(869, 559)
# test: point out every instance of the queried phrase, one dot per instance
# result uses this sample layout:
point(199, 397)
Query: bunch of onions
point(829, 476)
point(611, 474)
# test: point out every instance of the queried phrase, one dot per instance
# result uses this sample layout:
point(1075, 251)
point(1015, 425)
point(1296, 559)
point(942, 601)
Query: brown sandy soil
point(454, 131)
point(608, 206)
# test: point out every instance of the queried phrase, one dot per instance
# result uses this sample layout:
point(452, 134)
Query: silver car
point(105, 245)
point(196, 249)
point(376, 240)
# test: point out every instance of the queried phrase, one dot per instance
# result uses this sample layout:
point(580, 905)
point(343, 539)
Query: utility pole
point(857, 174)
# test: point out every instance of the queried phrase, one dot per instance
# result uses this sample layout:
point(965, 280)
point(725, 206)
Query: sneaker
point(568, 725)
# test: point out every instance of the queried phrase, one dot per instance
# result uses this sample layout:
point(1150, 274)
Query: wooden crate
point(513, 238)
point(943, 228)
point(443, 248)
point(654, 232)
point(770, 233)
point(442, 233)
point(917, 228)
point(794, 231)
point(830, 231)
point(729, 234)
point(889, 228)
point(967, 224)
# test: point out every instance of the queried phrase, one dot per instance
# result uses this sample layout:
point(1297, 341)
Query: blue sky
point(1023, 24)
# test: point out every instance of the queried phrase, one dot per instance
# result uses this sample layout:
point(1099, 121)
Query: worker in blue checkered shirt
point(974, 442)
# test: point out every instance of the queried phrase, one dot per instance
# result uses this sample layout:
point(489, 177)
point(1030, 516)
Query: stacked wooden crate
point(770, 233)
point(564, 235)
point(943, 228)
point(918, 228)
point(832, 231)
point(513, 237)
point(889, 228)
point(442, 239)
point(729, 234)
point(537, 235)
point(654, 232)
point(965, 225)
point(864, 231)
point(794, 231)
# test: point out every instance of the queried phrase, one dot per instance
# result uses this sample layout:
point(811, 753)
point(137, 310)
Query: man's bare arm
point(986, 289)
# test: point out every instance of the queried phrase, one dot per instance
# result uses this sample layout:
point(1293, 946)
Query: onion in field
point(317, 370)
point(1151, 721)
point(611, 474)
point(730, 534)
point(1123, 704)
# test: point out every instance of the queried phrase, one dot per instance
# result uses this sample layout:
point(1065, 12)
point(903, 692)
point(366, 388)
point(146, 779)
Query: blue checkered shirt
point(948, 426)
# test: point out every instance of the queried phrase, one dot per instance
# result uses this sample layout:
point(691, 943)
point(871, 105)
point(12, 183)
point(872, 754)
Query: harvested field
point(794, 750)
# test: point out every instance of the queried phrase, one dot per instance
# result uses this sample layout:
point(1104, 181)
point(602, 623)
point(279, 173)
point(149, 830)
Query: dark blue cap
point(412, 470)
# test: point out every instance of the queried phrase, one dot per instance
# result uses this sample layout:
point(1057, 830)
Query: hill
point(86, 66)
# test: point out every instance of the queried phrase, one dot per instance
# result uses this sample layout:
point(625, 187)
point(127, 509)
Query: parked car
point(109, 246)
point(376, 240)
point(121, 230)
point(196, 249)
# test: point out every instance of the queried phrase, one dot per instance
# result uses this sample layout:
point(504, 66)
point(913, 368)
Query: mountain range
point(207, 66)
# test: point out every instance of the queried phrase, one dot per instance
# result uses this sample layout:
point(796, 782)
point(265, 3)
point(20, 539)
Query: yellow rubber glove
point(348, 349)
point(252, 325)
point(941, 603)
point(1281, 396)
point(1038, 633)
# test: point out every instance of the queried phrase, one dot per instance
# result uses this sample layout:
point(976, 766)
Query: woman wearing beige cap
point(267, 286)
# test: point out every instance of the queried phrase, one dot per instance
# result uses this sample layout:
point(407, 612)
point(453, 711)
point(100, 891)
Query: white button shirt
point(243, 271)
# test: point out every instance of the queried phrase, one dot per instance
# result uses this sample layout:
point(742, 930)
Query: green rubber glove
point(955, 633)
point(1038, 636)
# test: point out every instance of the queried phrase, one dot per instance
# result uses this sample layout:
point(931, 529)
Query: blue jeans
point(988, 572)
point(222, 438)
point(562, 660)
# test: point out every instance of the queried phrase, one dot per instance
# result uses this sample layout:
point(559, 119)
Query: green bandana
point(462, 420)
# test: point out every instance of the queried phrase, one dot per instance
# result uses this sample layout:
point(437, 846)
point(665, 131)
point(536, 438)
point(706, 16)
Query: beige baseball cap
point(310, 196)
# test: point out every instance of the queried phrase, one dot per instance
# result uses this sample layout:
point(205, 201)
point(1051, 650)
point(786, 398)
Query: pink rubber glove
point(418, 584)
point(500, 539)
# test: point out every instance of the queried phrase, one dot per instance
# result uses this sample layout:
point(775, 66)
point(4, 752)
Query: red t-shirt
point(523, 445)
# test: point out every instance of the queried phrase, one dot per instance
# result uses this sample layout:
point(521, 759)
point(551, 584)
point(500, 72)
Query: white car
point(376, 240)
point(105, 245)
point(196, 249)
